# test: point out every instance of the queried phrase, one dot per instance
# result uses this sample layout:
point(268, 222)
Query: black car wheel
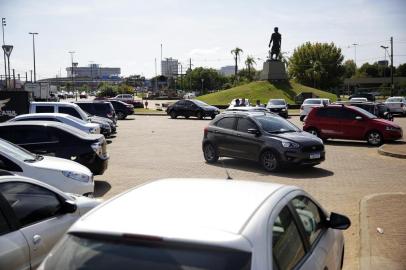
point(173, 114)
point(121, 115)
point(269, 160)
point(374, 138)
point(199, 115)
point(210, 153)
point(213, 116)
point(187, 116)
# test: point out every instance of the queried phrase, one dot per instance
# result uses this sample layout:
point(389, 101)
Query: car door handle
point(36, 239)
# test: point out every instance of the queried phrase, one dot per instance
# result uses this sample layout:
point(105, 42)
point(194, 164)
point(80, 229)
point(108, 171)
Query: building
point(227, 70)
point(93, 71)
point(169, 67)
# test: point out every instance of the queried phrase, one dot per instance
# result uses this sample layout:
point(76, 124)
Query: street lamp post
point(385, 48)
point(7, 51)
point(33, 52)
point(3, 23)
point(71, 71)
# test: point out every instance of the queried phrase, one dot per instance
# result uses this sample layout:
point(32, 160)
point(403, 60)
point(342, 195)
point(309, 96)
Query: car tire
point(199, 115)
point(213, 116)
point(210, 153)
point(173, 114)
point(270, 161)
point(187, 116)
point(121, 115)
point(374, 138)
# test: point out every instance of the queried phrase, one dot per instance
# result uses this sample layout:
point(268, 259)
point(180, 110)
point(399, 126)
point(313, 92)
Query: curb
point(390, 154)
point(365, 248)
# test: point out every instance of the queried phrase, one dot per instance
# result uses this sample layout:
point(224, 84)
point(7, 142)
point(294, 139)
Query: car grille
point(312, 148)
point(276, 109)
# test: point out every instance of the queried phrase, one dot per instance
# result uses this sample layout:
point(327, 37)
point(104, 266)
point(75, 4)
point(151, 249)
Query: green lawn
point(263, 90)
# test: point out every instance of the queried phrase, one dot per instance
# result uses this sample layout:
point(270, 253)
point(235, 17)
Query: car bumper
point(392, 135)
point(303, 158)
point(97, 165)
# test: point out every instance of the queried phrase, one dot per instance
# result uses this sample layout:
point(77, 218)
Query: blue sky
point(128, 34)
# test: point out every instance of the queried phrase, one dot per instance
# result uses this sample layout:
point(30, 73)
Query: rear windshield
point(312, 101)
point(76, 253)
point(103, 107)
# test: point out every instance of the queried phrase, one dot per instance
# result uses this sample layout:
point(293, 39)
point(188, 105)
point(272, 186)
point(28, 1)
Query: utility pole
point(26, 77)
point(33, 52)
point(31, 75)
point(3, 23)
point(391, 66)
point(71, 73)
point(14, 79)
point(355, 52)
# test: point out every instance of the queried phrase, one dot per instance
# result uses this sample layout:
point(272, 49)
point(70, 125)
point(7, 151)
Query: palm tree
point(236, 52)
point(249, 62)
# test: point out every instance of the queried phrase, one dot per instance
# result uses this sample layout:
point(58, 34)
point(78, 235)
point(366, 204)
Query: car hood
point(60, 164)
point(101, 119)
point(385, 122)
point(276, 106)
point(84, 204)
point(302, 137)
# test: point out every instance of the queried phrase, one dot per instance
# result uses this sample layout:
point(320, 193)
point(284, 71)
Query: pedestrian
point(243, 103)
point(146, 104)
point(258, 103)
point(237, 102)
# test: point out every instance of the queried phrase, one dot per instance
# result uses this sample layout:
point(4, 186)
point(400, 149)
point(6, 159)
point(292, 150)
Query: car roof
point(39, 115)
point(247, 113)
point(52, 103)
point(182, 209)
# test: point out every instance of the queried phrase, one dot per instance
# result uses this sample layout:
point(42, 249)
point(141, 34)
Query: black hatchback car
point(264, 137)
point(193, 107)
point(59, 140)
point(99, 108)
point(122, 109)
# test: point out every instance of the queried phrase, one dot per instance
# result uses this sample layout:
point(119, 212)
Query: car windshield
point(394, 100)
point(200, 103)
point(18, 152)
point(312, 101)
point(76, 253)
point(364, 112)
point(276, 124)
point(276, 102)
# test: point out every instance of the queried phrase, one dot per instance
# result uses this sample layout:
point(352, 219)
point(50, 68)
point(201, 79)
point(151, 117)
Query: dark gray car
point(264, 137)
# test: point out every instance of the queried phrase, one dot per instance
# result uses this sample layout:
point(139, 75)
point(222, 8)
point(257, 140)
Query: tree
point(401, 70)
point(349, 68)
point(204, 79)
point(236, 52)
point(369, 70)
point(250, 62)
point(318, 65)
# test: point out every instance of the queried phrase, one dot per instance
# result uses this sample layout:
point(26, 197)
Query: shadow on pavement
point(349, 143)
point(190, 118)
point(101, 188)
point(127, 119)
point(295, 172)
point(109, 141)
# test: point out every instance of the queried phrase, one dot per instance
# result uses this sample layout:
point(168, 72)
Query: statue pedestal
point(273, 70)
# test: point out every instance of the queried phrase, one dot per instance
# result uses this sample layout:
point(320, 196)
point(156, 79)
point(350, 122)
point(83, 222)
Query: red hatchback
point(350, 123)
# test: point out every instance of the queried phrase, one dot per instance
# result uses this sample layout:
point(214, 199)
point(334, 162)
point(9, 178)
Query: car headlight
point(389, 128)
point(283, 109)
point(77, 176)
point(288, 144)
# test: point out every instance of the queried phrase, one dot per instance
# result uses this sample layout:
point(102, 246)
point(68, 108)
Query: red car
point(350, 123)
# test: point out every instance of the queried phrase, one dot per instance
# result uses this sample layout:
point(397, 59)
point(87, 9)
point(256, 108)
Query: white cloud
point(204, 52)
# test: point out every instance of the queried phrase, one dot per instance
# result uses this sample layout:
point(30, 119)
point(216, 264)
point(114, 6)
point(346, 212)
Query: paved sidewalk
point(397, 149)
point(383, 231)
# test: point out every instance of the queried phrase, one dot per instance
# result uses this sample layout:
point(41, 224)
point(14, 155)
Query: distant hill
point(263, 90)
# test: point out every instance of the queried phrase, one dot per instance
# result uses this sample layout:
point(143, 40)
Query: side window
point(44, 109)
point(4, 227)
point(287, 245)
point(181, 103)
point(30, 134)
point(227, 123)
point(348, 114)
point(8, 165)
point(329, 112)
point(29, 202)
point(244, 124)
point(310, 216)
point(70, 111)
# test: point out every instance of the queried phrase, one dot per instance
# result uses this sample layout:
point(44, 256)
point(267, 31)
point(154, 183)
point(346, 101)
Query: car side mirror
point(68, 206)
point(358, 118)
point(254, 131)
point(339, 222)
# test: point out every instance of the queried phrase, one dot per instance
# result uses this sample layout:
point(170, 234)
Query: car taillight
point(206, 130)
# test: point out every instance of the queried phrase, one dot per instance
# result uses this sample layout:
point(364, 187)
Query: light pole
point(33, 52)
point(3, 23)
point(202, 84)
point(71, 71)
point(355, 52)
point(7, 51)
point(385, 48)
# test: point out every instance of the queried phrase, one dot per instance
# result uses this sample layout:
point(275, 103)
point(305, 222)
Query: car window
point(227, 123)
point(30, 203)
point(4, 227)
point(329, 112)
point(39, 119)
point(244, 124)
point(8, 165)
point(287, 246)
point(44, 109)
point(181, 103)
point(70, 111)
point(310, 216)
point(30, 134)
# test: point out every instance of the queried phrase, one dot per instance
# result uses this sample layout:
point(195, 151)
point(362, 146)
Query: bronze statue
point(276, 40)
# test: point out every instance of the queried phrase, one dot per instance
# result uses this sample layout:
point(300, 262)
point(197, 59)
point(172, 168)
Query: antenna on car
point(225, 168)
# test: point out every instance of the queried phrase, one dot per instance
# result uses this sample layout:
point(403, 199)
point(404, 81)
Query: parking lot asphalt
point(153, 147)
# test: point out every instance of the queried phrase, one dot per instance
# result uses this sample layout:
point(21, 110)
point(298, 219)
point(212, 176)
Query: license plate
point(315, 156)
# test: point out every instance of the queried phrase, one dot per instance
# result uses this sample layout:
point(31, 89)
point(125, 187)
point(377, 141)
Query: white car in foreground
point(33, 217)
point(62, 118)
point(66, 175)
point(204, 224)
point(310, 103)
point(396, 105)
